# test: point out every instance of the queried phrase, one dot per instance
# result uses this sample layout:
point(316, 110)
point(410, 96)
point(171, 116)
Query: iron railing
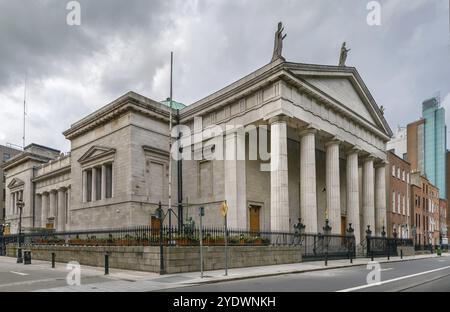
point(312, 246)
point(385, 246)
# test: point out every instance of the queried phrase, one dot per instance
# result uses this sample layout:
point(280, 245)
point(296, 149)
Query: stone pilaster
point(52, 212)
point(380, 197)
point(235, 180)
point(279, 192)
point(45, 209)
point(368, 217)
point(61, 221)
point(103, 182)
point(333, 186)
point(84, 186)
point(308, 198)
point(94, 185)
point(353, 212)
point(38, 210)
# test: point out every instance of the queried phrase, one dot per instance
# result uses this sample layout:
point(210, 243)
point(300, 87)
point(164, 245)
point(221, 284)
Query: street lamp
point(20, 205)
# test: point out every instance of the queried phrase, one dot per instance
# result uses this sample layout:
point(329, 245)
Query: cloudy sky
point(125, 45)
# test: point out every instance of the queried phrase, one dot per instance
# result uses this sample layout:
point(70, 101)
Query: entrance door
point(254, 218)
point(155, 225)
point(343, 225)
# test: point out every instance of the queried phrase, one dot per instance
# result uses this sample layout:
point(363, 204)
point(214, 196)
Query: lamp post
point(20, 205)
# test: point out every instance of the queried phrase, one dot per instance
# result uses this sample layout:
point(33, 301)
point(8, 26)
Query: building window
point(398, 203)
point(403, 175)
point(88, 189)
point(109, 182)
point(398, 173)
point(6, 156)
point(393, 201)
point(98, 183)
point(393, 170)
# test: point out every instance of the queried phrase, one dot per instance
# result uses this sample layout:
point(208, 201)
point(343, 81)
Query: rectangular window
point(6, 156)
point(88, 189)
point(403, 175)
point(98, 183)
point(109, 180)
point(393, 170)
point(398, 203)
point(393, 201)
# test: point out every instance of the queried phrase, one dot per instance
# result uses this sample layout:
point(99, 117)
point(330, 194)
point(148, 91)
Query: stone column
point(84, 186)
point(103, 181)
point(333, 188)
point(94, 186)
point(279, 193)
point(61, 222)
point(235, 179)
point(45, 208)
point(353, 193)
point(380, 197)
point(368, 195)
point(308, 199)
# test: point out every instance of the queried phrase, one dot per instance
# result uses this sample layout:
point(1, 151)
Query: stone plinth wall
point(176, 259)
point(407, 251)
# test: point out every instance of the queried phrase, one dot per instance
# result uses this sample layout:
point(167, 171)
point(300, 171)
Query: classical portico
point(327, 149)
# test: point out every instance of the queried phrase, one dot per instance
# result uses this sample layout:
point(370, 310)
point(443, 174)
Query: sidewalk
point(130, 281)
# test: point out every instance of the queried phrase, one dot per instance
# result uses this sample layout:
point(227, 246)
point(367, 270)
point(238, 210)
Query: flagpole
point(170, 139)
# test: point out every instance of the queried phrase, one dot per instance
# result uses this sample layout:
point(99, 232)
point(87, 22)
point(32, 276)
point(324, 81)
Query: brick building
point(425, 201)
point(398, 211)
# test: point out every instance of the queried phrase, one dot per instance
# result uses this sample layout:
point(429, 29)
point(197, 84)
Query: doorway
point(254, 214)
point(343, 225)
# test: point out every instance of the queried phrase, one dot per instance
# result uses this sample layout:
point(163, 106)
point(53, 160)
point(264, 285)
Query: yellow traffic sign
point(224, 209)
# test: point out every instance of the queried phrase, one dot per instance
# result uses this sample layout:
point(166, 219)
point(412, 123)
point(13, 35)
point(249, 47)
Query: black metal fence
point(385, 246)
point(312, 246)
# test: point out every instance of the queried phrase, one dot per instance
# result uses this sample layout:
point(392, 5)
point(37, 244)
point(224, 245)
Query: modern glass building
point(435, 144)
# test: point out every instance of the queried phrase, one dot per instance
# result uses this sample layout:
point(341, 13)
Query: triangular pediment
point(96, 152)
point(343, 86)
point(342, 90)
point(15, 183)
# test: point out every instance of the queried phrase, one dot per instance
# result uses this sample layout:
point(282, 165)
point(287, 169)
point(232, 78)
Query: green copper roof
point(175, 104)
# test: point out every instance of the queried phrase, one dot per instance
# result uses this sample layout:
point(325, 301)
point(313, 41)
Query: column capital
point(278, 119)
point(353, 150)
point(309, 129)
point(379, 163)
point(369, 158)
point(333, 141)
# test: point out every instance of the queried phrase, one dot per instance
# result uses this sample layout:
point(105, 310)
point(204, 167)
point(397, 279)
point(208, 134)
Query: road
point(430, 275)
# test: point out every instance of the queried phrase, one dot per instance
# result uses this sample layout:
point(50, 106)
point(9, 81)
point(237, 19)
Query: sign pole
point(201, 213)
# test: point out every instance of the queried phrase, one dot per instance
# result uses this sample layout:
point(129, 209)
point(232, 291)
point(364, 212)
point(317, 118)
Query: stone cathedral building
point(324, 128)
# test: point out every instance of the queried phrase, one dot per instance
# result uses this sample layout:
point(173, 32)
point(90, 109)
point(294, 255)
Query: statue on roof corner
point(278, 45)
point(343, 57)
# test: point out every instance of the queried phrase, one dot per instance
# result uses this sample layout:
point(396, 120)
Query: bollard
point(351, 257)
point(27, 257)
point(326, 259)
point(372, 255)
point(401, 253)
point(53, 260)
point(106, 264)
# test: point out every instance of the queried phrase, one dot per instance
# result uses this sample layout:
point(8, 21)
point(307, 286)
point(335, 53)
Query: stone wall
point(177, 259)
